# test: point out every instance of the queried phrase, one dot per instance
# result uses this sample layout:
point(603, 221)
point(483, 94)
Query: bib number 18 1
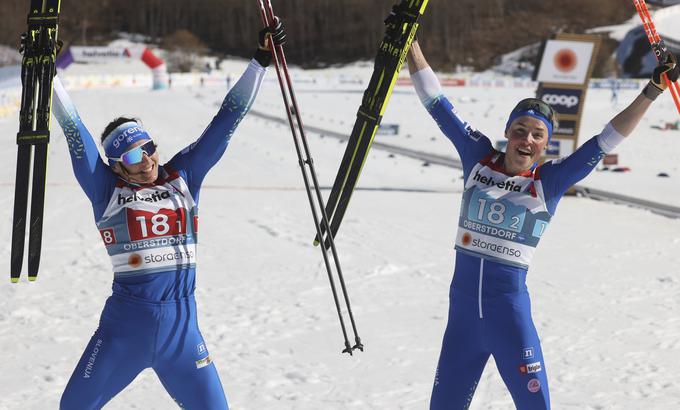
point(167, 222)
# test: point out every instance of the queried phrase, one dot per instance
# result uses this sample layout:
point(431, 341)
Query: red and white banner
point(81, 54)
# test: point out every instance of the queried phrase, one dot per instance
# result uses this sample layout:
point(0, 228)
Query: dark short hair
point(115, 123)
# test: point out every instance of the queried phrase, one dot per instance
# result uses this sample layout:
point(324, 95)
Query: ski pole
point(654, 38)
point(285, 83)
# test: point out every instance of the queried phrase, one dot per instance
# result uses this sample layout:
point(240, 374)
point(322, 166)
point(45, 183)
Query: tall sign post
point(563, 75)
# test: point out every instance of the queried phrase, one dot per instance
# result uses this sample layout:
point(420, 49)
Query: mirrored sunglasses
point(136, 154)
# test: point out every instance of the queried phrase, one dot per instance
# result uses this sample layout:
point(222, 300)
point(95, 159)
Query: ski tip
point(32, 278)
point(14, 280)
point(316, 242)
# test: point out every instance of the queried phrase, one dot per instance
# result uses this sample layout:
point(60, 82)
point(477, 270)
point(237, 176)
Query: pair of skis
point(39, 48)
point(401, 28)
point(307, 167)
point(657, 45)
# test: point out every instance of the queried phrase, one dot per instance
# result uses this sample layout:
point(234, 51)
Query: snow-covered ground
point(604, 282)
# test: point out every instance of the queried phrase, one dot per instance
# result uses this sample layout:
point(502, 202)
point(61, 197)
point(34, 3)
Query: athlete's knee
point(203, 392)
point(71, 399)
point(536, 397)
point(78, 396)
point(202, 402)
point(534, 405)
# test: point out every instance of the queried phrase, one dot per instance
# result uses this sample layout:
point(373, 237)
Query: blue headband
point(117, 142)
point(530, 113)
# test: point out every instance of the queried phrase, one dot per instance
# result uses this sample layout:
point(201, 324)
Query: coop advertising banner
point(566, 101)
point(565, 62)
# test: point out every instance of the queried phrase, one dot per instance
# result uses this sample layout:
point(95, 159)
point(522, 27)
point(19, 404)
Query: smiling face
point(527, 139)
point(143, 173)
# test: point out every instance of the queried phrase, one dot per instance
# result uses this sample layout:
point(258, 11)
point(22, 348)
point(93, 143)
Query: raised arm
point(471, 144)
point(415, 58)
point(424, 79)
point(626, 121)
point(91, 172)
point(200, 156)
point(566, 172)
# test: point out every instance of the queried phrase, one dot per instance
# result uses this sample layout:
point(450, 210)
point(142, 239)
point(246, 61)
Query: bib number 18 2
point(497, 213)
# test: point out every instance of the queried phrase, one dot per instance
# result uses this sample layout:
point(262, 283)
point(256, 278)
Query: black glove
point(396, 14)
point(24, 43)
point(277, 34)
point(668, 64)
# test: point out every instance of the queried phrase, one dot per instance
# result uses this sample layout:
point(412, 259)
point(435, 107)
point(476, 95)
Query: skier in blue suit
point(147, 215)
point(507, 204)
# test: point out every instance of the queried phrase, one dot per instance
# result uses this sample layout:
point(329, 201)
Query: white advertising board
point(565, 62)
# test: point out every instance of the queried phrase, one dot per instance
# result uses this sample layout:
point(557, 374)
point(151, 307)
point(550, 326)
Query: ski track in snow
point(604, 284)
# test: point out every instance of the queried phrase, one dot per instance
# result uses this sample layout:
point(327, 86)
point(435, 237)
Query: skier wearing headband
point(147, 215)
point(507, 204)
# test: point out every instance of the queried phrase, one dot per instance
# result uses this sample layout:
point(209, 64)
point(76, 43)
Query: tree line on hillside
point(322, 32)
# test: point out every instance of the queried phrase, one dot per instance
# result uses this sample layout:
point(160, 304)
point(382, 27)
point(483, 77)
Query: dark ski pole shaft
point(286, 86)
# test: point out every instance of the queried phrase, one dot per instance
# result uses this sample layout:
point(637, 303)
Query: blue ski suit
point(150, 233)
point(501, 221)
